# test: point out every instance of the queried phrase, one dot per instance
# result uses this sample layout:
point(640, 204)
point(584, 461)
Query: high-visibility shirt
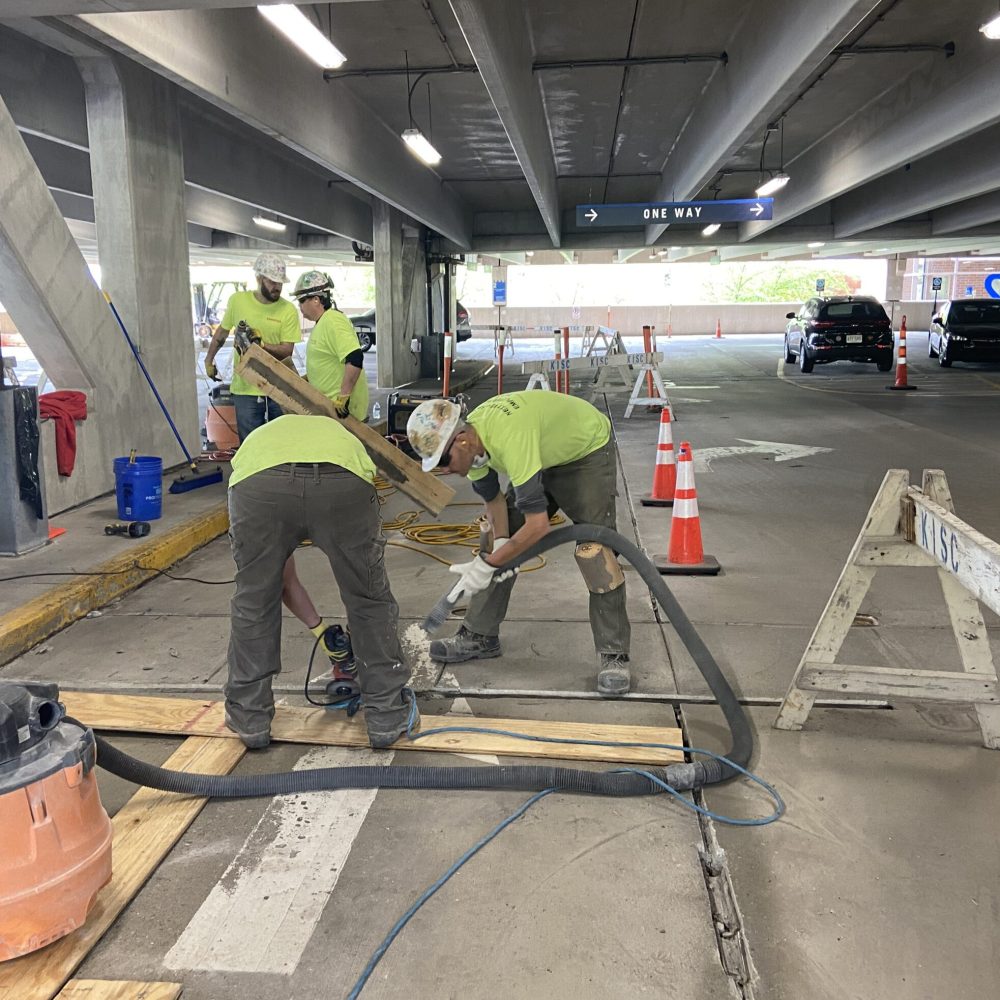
point(333, 338)
point(297, 438)
point(275, 322)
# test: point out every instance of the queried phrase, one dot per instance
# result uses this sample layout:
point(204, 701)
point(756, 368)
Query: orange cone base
point(650, 501)
point(903, 388)
point(709, 566)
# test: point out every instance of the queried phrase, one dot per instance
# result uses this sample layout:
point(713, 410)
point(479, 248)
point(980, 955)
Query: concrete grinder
point(55, 837)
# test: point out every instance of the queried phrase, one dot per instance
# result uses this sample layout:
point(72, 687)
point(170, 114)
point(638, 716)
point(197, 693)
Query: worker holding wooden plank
point(307, 477)
point(557, 452)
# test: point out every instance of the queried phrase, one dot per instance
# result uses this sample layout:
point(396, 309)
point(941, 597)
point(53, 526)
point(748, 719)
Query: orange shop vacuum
point(55, 837)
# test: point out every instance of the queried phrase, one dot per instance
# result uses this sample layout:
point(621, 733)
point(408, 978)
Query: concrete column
point(400, 295)
point(895, 269)
point(138, 179)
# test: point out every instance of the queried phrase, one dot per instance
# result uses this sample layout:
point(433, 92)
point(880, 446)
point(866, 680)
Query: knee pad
point(599, 568)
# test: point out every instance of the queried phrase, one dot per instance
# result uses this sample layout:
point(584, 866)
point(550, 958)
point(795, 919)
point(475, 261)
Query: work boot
point(252, 741)
point(384, 728)
point(465, 645)
point(613, 677)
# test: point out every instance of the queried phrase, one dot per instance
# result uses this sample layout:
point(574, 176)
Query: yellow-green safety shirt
point(525, 433)
point(298, 438)
point(333, 338)
point(276, 322)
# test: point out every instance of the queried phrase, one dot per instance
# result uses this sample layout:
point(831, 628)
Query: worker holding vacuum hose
point(307, 477)
point(556, 451)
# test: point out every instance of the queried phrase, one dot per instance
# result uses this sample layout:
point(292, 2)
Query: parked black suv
point(839, 328)
point(965, 330)
point(364, 326)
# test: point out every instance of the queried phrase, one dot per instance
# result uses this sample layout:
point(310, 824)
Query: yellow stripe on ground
point(37, 619)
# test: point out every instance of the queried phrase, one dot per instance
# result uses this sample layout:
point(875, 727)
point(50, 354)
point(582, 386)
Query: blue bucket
point(139, 488)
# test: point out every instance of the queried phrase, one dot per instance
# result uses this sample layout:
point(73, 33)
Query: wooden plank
point(294, 394)
point(107, 989)
point(894, 682)
point(592, 361)
point(892, 552)
point(145, 829)
point(958, 549)
point(61, 605)
point(193, 717)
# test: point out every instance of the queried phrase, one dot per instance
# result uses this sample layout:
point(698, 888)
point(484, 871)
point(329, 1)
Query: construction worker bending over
point(307, 477)
point(274, 320)
point(557, 452)
point(335, 363)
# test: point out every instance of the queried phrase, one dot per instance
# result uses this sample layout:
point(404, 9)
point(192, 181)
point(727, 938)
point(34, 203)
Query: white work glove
point(499, 543)
point(475, 576)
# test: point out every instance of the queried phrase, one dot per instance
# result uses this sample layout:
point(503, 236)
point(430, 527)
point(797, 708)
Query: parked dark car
point(364, 325)
point(839, 328)
point(965, 330)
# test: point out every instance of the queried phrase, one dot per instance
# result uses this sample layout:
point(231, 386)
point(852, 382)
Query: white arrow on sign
point(782, 452)
point(591, 215)
point(757, 209)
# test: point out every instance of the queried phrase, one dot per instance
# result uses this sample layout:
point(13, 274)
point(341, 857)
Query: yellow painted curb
point(66, 603)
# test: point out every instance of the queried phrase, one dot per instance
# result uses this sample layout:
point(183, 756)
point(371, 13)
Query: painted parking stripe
point(261, 914)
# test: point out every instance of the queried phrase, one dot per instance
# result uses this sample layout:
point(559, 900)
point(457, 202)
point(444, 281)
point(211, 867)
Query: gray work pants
point(585, 491)
point(270, 513)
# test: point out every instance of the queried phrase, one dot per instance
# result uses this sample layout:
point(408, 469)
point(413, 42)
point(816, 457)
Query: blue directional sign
point(676, 213)
point(820, 284)
point(936, 284)
point(500, 293)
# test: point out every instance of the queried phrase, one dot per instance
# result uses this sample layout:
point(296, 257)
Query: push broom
point(195, 479)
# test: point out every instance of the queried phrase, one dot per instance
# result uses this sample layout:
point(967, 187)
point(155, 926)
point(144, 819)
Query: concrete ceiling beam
point(774, 50)
point(497, 35)
point(965, 170)
point(965, 214)
point(65, 8)
point(215, 54)
point(940, 103)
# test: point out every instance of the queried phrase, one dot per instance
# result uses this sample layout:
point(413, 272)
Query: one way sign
point(677, 213)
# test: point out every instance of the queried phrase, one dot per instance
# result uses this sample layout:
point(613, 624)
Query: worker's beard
point(272, 295)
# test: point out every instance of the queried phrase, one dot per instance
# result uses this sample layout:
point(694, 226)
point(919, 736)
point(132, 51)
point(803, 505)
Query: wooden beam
point(592, 361)
point(294, 394)
point(145, 830)
point(107, 989)
point(895, 682)
point(191, 716)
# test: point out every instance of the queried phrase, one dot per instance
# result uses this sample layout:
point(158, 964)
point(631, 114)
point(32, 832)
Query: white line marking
point(461, 706)
point(260, 915)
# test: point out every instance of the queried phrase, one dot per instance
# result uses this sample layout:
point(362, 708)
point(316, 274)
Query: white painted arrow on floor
point(782, 452)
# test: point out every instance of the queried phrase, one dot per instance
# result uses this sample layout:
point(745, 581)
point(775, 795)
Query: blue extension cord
point(779, 809)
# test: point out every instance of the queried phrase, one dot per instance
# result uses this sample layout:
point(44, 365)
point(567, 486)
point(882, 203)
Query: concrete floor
point(880, 882)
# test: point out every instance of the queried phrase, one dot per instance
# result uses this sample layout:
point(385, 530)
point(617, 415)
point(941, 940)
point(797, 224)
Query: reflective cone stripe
point(685, 526)
point(665, 470)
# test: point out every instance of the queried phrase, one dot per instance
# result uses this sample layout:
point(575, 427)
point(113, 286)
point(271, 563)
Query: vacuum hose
point(680, 776)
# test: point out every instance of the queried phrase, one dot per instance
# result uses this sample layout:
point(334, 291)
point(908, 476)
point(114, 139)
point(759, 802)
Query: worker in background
point(307, 477)
point(335, 363)
point(269, 317)
point(556, 451)
point(275, 321)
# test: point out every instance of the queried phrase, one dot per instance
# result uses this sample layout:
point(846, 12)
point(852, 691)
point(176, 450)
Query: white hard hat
point(270, 266)
point(430, 428)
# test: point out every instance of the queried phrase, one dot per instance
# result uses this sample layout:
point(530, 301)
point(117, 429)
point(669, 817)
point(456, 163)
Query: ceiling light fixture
point(272, 224)
point(529, 253)
point(303, 34)
point(711, 230)
point(816, 246)
point(419, 144)
point(991, 29)
point(776, 179)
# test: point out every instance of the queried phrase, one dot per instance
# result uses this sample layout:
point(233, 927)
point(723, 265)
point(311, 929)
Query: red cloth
point(65, 408)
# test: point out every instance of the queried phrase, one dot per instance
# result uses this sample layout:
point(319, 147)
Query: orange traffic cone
point(718, 329)
point(685, 555)
point(665, 471)
point(900, 382)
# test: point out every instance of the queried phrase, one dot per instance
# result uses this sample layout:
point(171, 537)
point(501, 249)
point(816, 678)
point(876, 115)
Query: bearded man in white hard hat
point(273, 323)
point(557, 452)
